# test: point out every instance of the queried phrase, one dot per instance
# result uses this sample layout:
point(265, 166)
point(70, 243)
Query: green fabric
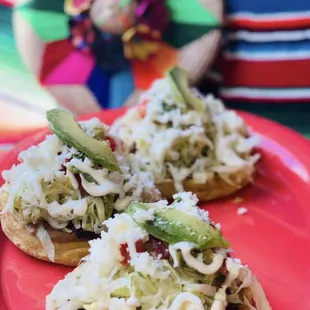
point(124, 3)
point(297, 120)
point(49, 26)
point(179, 35)
point(190, 12)
point(45, 5)
point(17, 84)
point(293, 115)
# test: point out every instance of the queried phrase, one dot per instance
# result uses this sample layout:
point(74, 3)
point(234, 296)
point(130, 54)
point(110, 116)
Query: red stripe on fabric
point(246, 99)
point(273, 74)
point(269, 24)
point(7, 3)
point(54, 53)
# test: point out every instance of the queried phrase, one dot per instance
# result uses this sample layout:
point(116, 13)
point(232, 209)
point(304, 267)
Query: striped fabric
point(266, 58)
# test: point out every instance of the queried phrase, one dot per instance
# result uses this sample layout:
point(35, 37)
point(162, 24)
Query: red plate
point(273, 238)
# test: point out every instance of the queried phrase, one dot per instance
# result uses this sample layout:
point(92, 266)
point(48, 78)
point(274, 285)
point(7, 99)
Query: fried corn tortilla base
point(69, 250)
point(215, 187)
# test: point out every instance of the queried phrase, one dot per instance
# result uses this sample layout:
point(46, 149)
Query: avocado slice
point(179, 81)
point(64, 126)
point(172, 226)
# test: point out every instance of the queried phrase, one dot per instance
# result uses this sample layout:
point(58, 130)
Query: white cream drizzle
point(220, 301)
point(72, 179)
point(103, 188)
point(187, 301)
point(193, 262)
point(77, 207)
point(133, 301)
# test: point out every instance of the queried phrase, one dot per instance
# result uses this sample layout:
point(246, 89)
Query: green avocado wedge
point(179, 81)
point(64, 126)
point(172, 226)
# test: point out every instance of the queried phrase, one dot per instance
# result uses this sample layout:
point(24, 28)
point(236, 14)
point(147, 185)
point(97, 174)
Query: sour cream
point(193, 262)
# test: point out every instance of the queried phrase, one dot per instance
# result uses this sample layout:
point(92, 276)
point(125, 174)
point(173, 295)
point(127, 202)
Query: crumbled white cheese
point(187, 203)
point(242, 210)
point(147, 265)
point(124, 230)
point(91, 125)
point(142, 216)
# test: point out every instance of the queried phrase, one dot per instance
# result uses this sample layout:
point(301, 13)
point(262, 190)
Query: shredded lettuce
point(46, 242)
point(98, 210)
point(59, 190)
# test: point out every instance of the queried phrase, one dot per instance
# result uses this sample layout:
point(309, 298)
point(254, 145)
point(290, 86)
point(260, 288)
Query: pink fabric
point(75, 69)
point(7, 2)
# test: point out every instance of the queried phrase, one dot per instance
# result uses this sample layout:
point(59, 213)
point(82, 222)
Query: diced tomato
point(112, 143)
point(79, 180)
point(140, 246)
point(253, 303)
point(223, 270)
point(125, 254)
point(64, 168)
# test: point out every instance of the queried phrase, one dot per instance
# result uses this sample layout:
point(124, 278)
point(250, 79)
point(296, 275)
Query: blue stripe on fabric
point(99, 84)
point(267, 6)
point(121, 86)
point(268, 47)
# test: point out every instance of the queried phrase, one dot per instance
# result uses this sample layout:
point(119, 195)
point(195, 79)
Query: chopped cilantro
point(79, 155)
point(167, 107)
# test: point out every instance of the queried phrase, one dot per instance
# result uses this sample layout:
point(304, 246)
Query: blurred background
point(100, 54)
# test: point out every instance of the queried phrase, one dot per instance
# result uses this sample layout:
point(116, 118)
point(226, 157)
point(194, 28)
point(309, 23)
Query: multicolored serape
point(92, 54)
point(89, 55)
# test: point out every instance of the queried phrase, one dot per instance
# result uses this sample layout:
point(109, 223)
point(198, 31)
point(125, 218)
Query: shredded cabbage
point(46, 242)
